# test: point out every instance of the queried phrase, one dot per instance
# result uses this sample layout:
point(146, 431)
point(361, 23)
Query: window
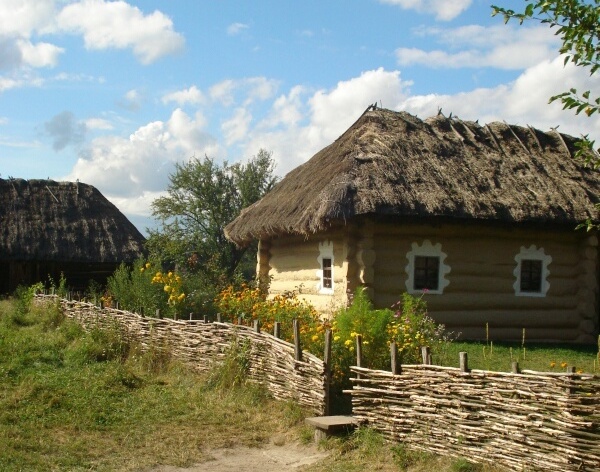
point(531, 272)
point(325, 272)
point(327, 280)
point(426, 269)
point(531, 275)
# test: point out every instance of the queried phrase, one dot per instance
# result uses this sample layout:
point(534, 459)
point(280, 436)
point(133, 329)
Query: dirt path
point(270, 458)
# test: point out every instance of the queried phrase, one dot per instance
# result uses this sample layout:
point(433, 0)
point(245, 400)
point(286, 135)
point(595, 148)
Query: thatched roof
point(395, 164)
point(45, 220)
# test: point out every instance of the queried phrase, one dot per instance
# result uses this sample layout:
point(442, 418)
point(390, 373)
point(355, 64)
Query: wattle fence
point(286, 371)
point(526, 421)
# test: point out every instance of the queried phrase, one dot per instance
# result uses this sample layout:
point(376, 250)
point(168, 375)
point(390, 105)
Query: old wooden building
point(480, 218)
point(48, 228)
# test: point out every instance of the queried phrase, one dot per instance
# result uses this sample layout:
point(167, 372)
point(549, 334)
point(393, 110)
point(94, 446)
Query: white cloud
point(119, 25)
point(229, 92)
point(40, 54)
point(236, 28)
point(132, 171)
point(236, 128)
point(442, 9)
point(498, 46)
point(22, 17)
point(98, 123)
point(190, 95)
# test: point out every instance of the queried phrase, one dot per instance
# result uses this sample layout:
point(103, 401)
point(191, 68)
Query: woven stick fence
point(523, 421)
point(282, 367)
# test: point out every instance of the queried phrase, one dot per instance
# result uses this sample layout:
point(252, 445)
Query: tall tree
point(202, 198)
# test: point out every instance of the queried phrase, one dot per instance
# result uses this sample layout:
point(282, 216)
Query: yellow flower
point(336, 338)
point(167, 288)
point(147, 265)
point(552, 364)
point(348, 342)
point(563, 364)
point(141, 269)
point(315, 337)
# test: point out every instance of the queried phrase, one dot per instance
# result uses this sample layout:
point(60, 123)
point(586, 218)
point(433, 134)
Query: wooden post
point(158, 314)
point(515, 367)
point(175, 316)
point(571, 369)
point(101, 304)
point(358, 352)
point(239, 321)
point(396, 368)
point(277, 329)
point(464, 361)
point(257, 326)
point(327, 374)
point(297, 347)
point(205, 318)
point(142, 311)
point(219, 318)
point(117, 305)
point(426, 355)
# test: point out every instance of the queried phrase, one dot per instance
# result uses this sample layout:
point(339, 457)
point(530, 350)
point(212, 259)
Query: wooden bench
point(331, 425)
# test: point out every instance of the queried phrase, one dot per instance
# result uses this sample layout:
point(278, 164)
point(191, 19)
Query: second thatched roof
point(44, 220)
point(394, 164)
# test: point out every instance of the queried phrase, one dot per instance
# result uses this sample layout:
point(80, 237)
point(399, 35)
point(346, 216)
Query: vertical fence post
point(257, 326)
point(277, 329)
point(514, 367)
point(205, 318)
point(239, 321)
point(396, 368)
point(219, 318)
point(158, 314)
point(426, 355)
point(117, 305)
point(358, 353)
point(571, 369)
point(327, 363)
point(142, 311)
point(297, 347)
point(464, 361)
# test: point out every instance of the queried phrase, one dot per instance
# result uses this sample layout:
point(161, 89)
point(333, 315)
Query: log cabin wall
point(293, 264)
point(481, 280)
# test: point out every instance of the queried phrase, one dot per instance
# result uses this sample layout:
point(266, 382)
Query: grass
point(75, 400)
point(71, 400)
point(498, 356)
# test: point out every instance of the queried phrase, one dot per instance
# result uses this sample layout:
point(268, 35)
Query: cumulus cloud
point(132, 171)
point(64, 129)
point(119, 25)
point(98, 123)
point(132, 100)
point(190, 95)
point(476, 46)
point(22, 17)
point(442, 9)
point(236, 128)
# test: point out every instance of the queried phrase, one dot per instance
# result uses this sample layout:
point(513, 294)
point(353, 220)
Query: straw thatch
point(51, 228)
point(393, 164)
point(63, 221)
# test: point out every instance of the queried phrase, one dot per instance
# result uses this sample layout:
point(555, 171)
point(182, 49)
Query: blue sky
point(115, 93)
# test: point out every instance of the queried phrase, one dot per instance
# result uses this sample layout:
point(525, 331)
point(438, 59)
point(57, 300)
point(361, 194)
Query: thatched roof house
point(393, 182)
point(49, 227)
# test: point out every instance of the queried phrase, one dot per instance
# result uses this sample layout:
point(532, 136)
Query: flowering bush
point(251, 303)
point(411, 328)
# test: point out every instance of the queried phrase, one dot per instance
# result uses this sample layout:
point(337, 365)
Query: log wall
point(202, 345)
point(293, 265)
point(528, 421)
point(482, 261)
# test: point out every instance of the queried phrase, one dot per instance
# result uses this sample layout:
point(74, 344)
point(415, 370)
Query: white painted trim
point(532, 253)
point(429, 250)
point(325, 252)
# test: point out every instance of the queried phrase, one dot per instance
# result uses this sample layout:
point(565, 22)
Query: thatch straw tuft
point(393, 164)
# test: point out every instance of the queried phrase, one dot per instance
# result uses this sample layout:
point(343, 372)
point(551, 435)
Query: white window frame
point(427, 249)
point(532, 253)
point(325, 252)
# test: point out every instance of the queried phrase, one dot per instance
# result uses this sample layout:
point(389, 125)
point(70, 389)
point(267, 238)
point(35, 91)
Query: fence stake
point(571, 369)
point(277, 329)
point(239, 321)
point(358, 353)
point(396, 368)
point(257, 326)
point(158, 314)
point(426, 355)
point(327, 362)
point(297, 347)
point(142, 311)
point(219, 318)
point(515, 367)
point(205, 318)
point(117, 305)
point(464, 361)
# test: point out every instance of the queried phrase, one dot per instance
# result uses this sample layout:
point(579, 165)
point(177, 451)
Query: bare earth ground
point(270, 458)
